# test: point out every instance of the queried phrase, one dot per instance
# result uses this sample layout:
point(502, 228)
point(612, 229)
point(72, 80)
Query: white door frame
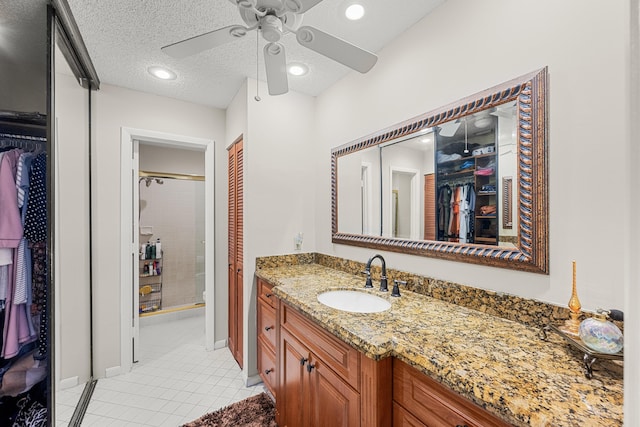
point(128, 185)
point(367, 197)
point(415, 198)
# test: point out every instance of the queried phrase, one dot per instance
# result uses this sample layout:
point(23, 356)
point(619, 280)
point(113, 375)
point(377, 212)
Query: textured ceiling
point(124, 38)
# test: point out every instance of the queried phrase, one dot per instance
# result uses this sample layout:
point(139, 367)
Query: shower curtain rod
point(168, 175)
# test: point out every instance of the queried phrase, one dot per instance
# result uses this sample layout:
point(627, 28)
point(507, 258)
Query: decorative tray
point(590, 356)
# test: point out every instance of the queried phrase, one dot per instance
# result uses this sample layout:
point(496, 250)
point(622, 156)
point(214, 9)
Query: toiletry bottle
point(153, 250)
point(158, 249)
point(143, 251)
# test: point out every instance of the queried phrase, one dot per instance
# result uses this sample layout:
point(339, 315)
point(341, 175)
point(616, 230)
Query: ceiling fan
point(275, 18)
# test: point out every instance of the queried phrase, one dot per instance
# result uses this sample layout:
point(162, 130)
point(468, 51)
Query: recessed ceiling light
point(162, 73)
point(298, 69)
point(354, 12)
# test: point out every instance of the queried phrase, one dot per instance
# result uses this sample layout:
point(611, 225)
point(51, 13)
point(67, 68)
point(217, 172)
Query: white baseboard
point(253, 380)
point(68, 383)
point(220, 344)
point(113, 371)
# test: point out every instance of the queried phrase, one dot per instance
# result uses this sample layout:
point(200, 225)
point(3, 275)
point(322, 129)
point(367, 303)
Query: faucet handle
point(396, 289)
point(368, 283)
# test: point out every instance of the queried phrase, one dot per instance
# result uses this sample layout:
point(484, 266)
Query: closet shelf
point(485, 239)
point(465, 172)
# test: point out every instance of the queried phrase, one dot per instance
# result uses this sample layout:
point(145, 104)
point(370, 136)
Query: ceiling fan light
point(483, 122)
point(238, 31)
point(249, 4)
point(271, 28)
point(354, 12)
point(293, 5)
point(298, 69)
point(162, 73)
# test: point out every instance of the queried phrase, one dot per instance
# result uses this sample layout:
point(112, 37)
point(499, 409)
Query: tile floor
point(175, 381)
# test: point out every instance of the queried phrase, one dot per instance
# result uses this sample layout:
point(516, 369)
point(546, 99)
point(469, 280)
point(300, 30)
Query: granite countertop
point(500, 364)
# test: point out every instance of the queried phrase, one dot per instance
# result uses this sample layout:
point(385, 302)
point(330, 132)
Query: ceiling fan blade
point(275, 63)
point(205, 41)
point(337, 49)
point(300, 6)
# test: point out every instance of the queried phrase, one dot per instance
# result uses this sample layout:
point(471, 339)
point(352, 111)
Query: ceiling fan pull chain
point(257, 97)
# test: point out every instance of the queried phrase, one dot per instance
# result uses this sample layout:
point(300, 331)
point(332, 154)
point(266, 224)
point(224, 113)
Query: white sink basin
point(354, 301)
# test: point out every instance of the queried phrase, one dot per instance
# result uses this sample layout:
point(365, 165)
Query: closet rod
point(27, 137)
point(168, 175)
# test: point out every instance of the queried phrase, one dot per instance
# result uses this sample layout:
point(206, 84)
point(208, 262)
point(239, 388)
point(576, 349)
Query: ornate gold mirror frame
point(531, 252)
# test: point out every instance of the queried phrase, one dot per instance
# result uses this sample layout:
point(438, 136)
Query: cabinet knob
point(268, 371)
point(303, 361)
point(268, 295)
point(310, 367)
point(268, 328)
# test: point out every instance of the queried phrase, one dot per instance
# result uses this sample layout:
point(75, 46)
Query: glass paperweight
point(600, 335)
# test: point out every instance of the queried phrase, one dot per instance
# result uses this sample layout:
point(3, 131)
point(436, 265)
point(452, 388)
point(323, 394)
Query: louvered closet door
point(429, 207)
point(235, 249)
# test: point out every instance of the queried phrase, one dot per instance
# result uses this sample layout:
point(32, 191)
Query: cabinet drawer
point(434, 404)
point(265, 294)
point(267, 366)
point(343, 359)
point(267, 323)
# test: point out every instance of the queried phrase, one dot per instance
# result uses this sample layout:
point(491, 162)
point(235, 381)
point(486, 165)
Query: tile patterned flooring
point(175, 381)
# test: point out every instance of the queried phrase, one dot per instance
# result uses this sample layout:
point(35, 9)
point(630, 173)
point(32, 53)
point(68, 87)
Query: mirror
point(466, 182)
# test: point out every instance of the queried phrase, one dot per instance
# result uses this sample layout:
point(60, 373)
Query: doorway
point(404, 201)
point(171, 233)
point(132, 231)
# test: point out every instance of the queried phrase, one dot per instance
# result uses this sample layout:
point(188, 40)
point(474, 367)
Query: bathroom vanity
point(422, 362)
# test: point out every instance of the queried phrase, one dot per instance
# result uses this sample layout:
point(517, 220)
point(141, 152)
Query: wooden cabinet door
point(293, 387)
point(402, 418)
point(333, 403)
point(235, 253)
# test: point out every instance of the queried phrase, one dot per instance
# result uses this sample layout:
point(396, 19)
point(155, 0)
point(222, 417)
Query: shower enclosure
point(172, 213)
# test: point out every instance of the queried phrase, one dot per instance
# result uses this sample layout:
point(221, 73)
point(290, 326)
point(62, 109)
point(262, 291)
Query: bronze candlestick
point(572, 325)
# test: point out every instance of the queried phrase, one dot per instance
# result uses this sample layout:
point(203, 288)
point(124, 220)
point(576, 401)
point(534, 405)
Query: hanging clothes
point(23, 282)
point(18, 327)
point(454, 222)
point(444, 200)
point(464, 214)
point(10, 224)
point(471, 201)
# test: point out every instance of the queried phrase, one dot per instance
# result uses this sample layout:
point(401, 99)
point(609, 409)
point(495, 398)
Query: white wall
point(116, 107)
point(464, 47)
point(279, 183)
point(154, 158)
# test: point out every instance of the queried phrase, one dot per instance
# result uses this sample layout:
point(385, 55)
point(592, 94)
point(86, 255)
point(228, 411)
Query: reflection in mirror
point(359, 197)
point(465, 182)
